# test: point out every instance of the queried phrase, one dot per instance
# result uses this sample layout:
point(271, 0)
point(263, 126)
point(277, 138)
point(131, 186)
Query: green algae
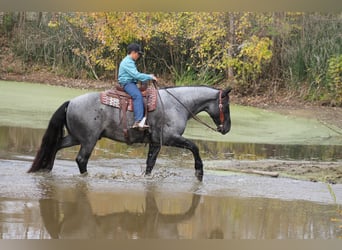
point(253, 125)
point(31, 105)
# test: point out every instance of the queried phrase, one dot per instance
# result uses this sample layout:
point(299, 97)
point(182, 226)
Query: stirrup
point(140, 125)
point(137, 125)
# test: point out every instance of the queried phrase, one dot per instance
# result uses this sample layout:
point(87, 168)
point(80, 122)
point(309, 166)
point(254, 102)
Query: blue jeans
point(138, 102)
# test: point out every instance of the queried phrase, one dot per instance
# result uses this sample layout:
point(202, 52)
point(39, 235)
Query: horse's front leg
point(153, 152)
point(182, 142)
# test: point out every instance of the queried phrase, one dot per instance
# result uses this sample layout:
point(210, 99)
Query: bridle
point(221, 109)
point(196, 118)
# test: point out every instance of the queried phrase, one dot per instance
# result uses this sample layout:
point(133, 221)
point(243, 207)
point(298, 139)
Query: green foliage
point(254, 54)
point(334, 76)
point(8, 23)
point(307, 51)
point(51, 45)
point(192, 78)
point(255, 50)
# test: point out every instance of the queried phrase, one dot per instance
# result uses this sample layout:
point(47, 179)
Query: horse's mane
point(191, 86)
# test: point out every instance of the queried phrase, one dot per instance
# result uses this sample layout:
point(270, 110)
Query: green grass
point(31, 105)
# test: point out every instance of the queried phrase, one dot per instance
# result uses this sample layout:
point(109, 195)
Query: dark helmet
point(134, 47)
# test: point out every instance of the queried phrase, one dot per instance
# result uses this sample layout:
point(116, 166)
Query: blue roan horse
point(87, 120)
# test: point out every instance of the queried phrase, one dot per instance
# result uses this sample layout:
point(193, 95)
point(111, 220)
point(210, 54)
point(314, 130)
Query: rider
point(128, 77)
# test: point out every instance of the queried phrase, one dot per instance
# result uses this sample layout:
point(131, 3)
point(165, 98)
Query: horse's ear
point(226, 92)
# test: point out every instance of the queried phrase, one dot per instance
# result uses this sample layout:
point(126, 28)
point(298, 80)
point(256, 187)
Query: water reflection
point(77, 211)
point(25, 141)
point(80, 214)
point(152, 216)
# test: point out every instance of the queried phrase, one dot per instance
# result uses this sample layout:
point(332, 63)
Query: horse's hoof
point(148, 175)
point(199, 175)
point(84, 174)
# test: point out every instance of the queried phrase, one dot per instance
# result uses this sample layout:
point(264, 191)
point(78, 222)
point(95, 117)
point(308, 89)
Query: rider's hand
point(154, 77)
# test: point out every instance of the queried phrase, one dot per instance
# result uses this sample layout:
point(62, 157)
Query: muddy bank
point(49, 78)
point(328, 172)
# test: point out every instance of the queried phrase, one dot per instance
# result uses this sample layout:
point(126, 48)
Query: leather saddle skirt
point(118, 98)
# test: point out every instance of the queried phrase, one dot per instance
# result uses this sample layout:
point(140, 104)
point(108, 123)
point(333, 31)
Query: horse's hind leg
point(68, 141)
point(84, 155)
point(153, 152)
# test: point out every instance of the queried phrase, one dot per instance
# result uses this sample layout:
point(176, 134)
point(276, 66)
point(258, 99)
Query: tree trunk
point(21, 19)
point(277, 48)
point(2, 14)
point(230, 71)
point(39, 21)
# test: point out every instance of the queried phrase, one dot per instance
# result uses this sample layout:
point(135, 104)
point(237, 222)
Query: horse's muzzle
point(222, 130)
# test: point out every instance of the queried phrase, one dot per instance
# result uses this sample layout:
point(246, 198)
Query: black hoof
point(148, 171)
point(84, 174)
point(199, 174)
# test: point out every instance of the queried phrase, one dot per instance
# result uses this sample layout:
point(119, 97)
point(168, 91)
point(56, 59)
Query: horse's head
point(220, 113)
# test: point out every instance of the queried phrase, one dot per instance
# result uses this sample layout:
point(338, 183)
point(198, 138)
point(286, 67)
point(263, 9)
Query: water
point(115, 201)
point(18, 140)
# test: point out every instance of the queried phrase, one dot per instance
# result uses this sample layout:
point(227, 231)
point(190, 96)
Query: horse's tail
point(46, 154)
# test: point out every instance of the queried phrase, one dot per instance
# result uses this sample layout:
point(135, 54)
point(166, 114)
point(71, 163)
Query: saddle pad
point(115, 97)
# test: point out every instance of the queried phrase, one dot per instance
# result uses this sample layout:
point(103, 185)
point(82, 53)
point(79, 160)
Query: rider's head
point(134, 50)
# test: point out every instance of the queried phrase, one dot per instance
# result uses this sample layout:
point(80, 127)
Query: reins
point(194, 116)
point(155, 84)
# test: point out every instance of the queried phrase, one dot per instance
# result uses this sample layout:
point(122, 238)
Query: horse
point(87, 120)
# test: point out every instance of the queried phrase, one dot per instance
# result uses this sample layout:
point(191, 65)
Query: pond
point(116, 201)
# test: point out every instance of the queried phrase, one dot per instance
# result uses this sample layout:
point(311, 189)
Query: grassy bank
point(31, 105)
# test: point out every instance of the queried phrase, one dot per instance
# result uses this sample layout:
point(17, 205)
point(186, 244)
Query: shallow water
point(115, 200)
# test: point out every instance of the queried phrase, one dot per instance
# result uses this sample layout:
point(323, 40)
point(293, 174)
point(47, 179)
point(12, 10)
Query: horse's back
point(87, 118)
point(83, 117)
point(88, 99)
point(83, 106)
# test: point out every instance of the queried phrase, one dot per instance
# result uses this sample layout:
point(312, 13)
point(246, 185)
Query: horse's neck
point(196, 99)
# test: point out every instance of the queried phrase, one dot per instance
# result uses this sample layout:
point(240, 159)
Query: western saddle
point(118, 98)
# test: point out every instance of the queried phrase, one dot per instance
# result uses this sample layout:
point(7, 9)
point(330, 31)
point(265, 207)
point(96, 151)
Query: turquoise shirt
point(128, 72)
